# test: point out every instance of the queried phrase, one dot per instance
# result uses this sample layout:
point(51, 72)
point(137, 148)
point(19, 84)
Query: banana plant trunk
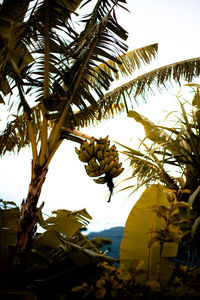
point(28, 220)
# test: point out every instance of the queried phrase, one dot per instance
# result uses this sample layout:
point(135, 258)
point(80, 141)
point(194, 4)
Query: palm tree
point(59, 77)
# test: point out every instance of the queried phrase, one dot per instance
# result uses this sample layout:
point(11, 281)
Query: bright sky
point(174, 24)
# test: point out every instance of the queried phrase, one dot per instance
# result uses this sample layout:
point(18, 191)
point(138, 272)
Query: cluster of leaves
point(174, 221)
point(100, 242)
point(58, 255)
point(112, 283)
point(177, 147)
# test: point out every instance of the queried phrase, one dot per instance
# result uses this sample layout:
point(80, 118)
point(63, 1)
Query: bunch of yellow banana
point(86, 151)
point(101, 160)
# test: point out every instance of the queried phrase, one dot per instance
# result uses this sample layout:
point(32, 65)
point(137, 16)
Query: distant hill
point(115, 234)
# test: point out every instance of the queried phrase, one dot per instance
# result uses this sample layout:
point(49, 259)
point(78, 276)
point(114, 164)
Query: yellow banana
point(116, 172)
point(102, 163)
point(99, 155)
point(97, 147)
point(113, 148)
point(106, 161)
point(103, 140)
point(114, 153)
point(89, 168)
point(84, 156)
point(111, 158)
point(107, 153)
point(104, 147)
point(93, 174)
point(92, 147)
point(77, 151)
point(113, 171)
point(94, 163)
point(86, 146)
point(119, 165)
point(109, 166)
point(100, 180)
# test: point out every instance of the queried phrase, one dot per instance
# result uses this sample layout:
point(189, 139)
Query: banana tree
point(45, 61)
point(59, 75)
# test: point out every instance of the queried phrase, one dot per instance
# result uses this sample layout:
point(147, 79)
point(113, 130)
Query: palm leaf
point(152, 131)
point(131, 61)
point(140, 230)
point(63, 242)
point(149, 82)
point(109, 71)
point(177, 143)
point(65, 224)
point(16, 136)
point(177, 146)
point(156, 79)
point(14, 54)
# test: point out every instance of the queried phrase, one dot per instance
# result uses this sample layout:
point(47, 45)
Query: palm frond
point(14, 55)
point(146, 169)
point(23, 32)
point(77, 84)
point(179, 149)
point(131, 61)
point(16, 136)
point(178, 142)
point(63, 224)
point(154, 80)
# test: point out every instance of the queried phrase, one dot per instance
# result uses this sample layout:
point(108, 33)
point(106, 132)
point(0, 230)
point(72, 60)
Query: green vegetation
point(58, 77)
point(100, 242)
point(162, 229)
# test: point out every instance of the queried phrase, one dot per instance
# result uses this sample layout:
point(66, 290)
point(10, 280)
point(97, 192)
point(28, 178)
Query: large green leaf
point(152, 132)
point(63, 225)
point(136, 242)
point(62, 245)
point(14, 55)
